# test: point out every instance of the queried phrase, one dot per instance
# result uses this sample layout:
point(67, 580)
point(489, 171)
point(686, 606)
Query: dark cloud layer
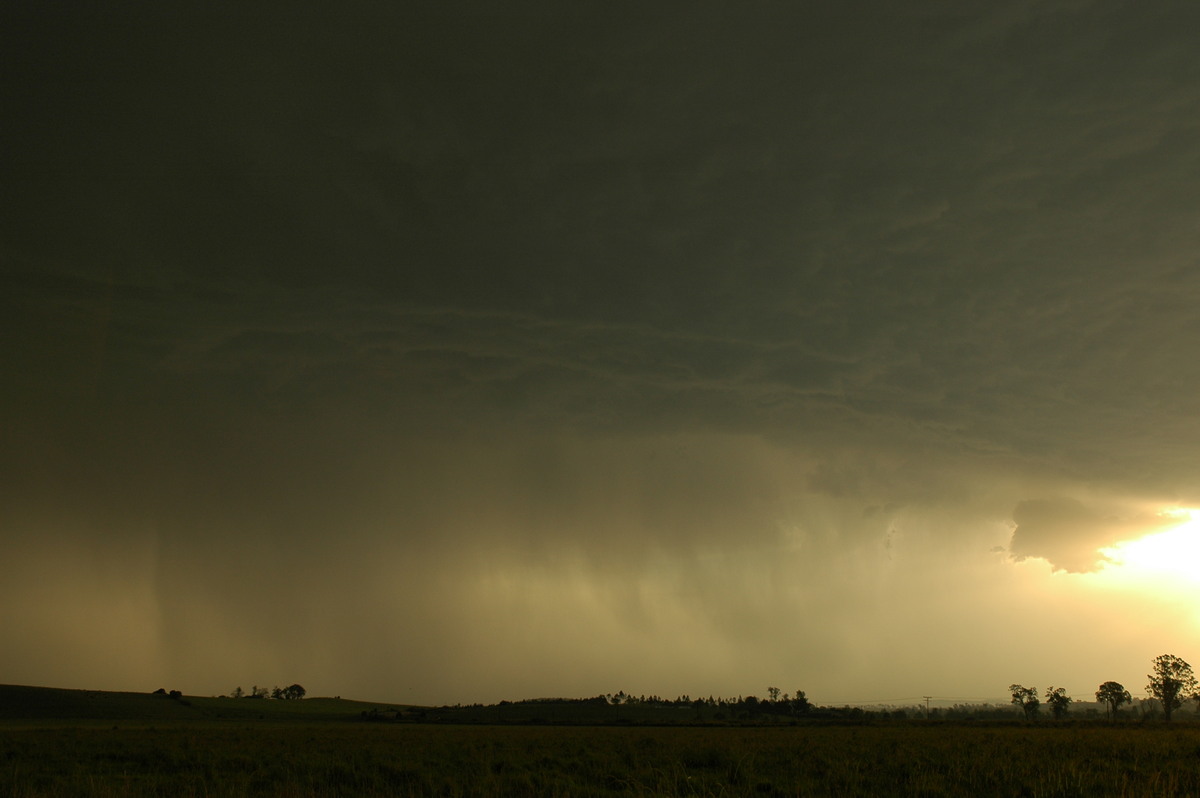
point(1072, 536)
point(463, 322)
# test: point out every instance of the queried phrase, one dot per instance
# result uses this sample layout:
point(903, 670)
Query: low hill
point(25, 703)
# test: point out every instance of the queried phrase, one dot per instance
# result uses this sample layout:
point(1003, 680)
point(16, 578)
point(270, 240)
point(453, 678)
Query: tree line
point(776, 701)
point(1172, 682)
point(293, 692)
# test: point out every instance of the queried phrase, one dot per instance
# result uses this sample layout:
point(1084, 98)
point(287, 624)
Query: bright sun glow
point(1170, 557)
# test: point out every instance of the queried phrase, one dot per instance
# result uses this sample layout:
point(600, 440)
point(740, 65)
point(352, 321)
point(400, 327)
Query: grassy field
point(81, 743)
point(376, 760)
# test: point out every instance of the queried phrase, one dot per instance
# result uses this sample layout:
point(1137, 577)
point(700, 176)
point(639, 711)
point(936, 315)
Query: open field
point(274, 759)
point(89, 743)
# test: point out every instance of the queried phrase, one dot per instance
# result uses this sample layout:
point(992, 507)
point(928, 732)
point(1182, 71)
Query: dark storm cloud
point(440, 317)
point(1071, 536)
point(787, 212)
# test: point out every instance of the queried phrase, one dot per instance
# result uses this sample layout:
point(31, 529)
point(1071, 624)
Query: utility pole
point(927, 697)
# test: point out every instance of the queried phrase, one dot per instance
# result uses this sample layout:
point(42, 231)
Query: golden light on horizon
point(1166, 562)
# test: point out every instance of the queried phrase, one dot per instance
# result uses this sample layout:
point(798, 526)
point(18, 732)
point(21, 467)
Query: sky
point(461, 351)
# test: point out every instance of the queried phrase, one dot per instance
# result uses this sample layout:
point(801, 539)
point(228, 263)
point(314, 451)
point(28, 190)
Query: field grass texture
point(290, 759)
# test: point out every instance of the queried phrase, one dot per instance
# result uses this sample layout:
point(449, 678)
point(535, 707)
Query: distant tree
point(1114, 695)
point(294, 692)
point(1026, 698)
point(1171, 682)
point(258, 692)
point(1058, 700)
point(773, 692)
point(800, 702)
point(238, 692)
point(277, 692)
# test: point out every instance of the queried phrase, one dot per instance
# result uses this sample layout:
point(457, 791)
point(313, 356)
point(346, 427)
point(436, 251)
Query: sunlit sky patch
point(1161, 561)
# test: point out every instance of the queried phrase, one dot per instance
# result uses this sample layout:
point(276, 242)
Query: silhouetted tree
point(1114, 695)
point(800, 702)
point(293, 692)
point(773, 692)
point(1026, 698)
point(238, 692)
point(1171, 682)
point(1058, 700)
